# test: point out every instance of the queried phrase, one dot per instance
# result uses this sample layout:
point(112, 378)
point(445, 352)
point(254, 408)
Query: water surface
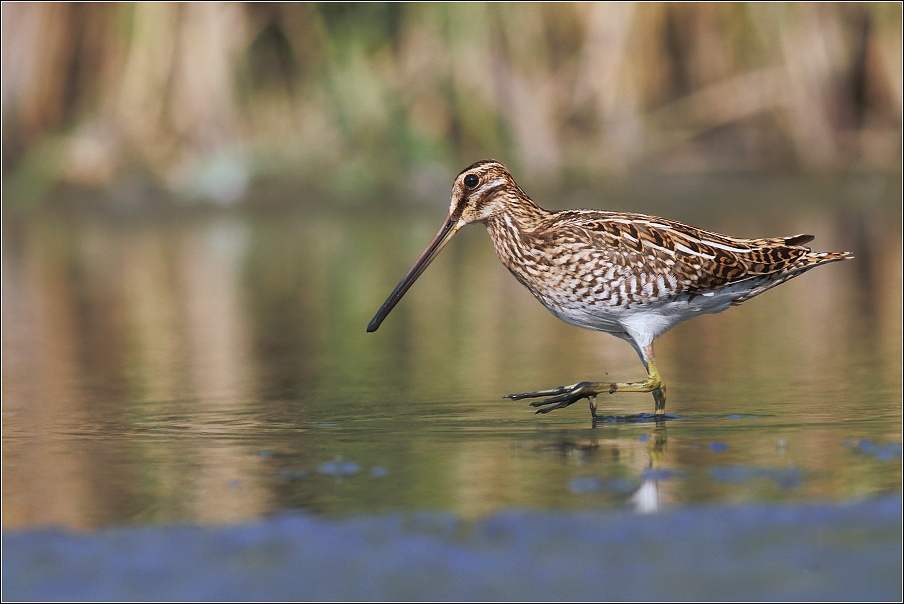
point(215, 368)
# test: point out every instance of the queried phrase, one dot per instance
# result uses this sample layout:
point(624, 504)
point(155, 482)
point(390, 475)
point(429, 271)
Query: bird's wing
point(699, 260)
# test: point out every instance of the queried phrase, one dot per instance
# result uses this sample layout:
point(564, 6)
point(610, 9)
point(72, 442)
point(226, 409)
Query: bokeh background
point(204, 204)
point(205, 101)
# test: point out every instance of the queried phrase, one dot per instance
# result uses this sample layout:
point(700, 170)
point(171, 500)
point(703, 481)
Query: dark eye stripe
point(494, 189)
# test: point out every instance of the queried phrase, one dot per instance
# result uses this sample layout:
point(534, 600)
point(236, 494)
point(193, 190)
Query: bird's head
point(480, 191)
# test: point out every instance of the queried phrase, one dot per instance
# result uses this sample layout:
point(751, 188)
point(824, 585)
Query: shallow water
point(215, 368)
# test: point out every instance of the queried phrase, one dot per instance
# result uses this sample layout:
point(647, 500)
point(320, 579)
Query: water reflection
point(159, 370)
point(641, 489)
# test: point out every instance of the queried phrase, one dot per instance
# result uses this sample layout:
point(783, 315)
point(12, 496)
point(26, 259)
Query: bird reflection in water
point(642, 493)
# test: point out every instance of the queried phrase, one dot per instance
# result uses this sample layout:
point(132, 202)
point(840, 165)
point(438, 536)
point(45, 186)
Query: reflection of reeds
point(200, 98)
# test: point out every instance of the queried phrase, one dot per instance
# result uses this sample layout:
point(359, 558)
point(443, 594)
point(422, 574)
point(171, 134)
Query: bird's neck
point(513, 229)
point(520, 216)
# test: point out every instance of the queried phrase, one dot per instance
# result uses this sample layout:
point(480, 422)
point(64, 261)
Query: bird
point(631, 275)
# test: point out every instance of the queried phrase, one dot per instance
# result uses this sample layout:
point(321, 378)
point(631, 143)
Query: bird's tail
point(805, 262)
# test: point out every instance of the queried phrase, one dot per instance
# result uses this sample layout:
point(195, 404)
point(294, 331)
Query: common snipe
point(630, 275)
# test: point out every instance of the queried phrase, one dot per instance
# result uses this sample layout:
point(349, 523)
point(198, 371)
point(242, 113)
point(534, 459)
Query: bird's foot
point(563, 396)
point(560, 397)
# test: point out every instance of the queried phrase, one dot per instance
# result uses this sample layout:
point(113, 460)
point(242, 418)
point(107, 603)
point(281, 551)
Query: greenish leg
point(653, 383)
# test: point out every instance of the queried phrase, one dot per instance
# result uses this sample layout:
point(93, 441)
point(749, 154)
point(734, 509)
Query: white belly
point(644, 322)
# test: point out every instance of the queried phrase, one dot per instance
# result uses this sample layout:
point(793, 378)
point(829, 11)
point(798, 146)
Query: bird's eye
point(471, 181)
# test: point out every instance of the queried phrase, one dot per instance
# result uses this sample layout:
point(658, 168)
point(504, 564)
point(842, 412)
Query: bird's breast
point(592, 299)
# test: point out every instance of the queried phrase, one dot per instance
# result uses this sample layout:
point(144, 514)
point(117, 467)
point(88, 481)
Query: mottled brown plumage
point(631, 275)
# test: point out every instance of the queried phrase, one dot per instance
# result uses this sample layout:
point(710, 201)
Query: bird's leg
point(563, 396)
point(653, 383)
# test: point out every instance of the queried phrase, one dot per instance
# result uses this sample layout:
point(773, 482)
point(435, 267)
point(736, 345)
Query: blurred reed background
point(203, 101)
point(150, 357)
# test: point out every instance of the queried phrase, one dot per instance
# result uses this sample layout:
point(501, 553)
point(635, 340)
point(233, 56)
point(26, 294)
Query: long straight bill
point(419, 266)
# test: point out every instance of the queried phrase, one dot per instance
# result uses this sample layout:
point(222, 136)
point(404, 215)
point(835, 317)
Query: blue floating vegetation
point(643, 438)
point(265, 453)
point(717, 446)
point(759, 551)
point(886, 452)
point(786, 478)
point(378, 471)
point(338, 468)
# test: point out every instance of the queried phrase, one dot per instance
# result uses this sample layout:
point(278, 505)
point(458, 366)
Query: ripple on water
point(638, 418)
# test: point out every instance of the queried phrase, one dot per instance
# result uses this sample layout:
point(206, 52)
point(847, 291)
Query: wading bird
point(630, 275)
